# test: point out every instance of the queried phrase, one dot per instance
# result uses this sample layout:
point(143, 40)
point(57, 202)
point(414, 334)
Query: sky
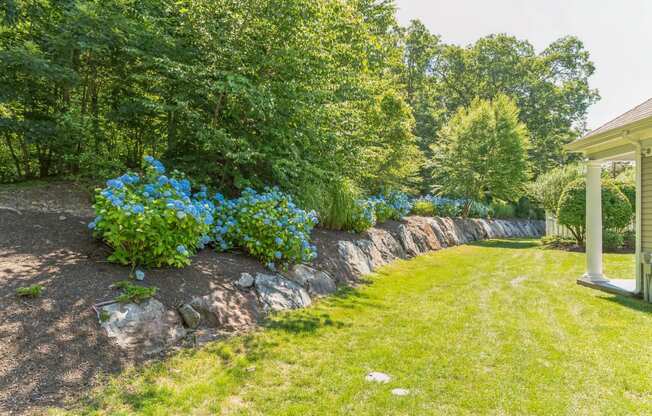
point(617, 34)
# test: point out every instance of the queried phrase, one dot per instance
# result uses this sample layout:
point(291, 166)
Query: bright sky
point(617, 33)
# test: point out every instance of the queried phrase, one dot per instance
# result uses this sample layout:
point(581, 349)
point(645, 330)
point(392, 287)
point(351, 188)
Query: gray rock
point(245, 281)
point(353, 258)
point(226, 309)
point(388, 247)
point(148, 326)
point(378, 377)
point(316, 282)
point(277, 293)
point(190, 316)
point(372, 253)
point(400, 392)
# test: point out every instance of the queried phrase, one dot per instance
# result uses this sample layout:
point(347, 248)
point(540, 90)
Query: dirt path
point(51, 348)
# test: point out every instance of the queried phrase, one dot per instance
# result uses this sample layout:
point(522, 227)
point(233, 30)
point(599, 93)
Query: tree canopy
point(482, 152)
point(296, 93)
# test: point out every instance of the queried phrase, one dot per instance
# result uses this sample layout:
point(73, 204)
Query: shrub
point(478, 210)
point(444, 207)
point(503, 210)
point(546, 189)
point(152, 220)
point(393, 207)
point(424, 207)
point(336, 205)
point(268, 225)
point(364, 216)
point(629, 239)
point(612, 240)
point(616, 209)
point(31, 291)
point(132, 293)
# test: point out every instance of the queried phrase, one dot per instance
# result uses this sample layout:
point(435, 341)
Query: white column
point(639, 274)
point(593, 222)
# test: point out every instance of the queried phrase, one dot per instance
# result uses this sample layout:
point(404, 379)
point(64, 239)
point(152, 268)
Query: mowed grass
point(496, 328)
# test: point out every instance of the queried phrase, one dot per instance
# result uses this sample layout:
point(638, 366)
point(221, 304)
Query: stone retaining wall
point(418, 235)
point(343, 259)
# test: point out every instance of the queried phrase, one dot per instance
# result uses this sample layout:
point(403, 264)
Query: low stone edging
point(241, 305)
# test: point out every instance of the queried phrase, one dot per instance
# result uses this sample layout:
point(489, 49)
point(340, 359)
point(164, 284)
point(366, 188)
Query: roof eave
point(585, 142)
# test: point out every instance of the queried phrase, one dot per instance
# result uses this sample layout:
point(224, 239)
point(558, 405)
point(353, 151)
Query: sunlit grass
point(497, 328)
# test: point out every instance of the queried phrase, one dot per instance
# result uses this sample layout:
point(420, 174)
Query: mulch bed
point(52, 348)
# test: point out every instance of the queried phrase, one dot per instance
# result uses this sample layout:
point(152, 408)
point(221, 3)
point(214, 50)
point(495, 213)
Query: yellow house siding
point(646, 204)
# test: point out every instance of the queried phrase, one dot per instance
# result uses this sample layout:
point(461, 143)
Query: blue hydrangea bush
point(363, 216)
point(152, 219)
point(268, 225)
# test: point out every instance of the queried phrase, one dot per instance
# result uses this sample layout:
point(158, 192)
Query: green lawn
point(497, 328)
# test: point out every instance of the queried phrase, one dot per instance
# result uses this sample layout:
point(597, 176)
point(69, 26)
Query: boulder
point(148, 326)
point(354, 261)
point(277, 293)
point(374, 256)
point(190, 316)
point(226, 309)
point(405, 237)
point(316, 282)
point(387, 246)
point(245, 281)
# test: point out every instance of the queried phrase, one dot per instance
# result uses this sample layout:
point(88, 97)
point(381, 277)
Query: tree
point(482, 152)
point(546, 188)
point(616, 209)
point(550, 88)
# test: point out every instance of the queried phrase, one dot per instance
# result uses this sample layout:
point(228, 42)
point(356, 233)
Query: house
point(627, 137)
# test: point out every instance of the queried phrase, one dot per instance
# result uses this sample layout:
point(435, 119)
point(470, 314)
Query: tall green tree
point(551, 88)
point(482, 152)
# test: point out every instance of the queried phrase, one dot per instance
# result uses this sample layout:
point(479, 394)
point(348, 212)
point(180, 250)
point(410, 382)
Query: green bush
point(424, 208)
point(364, 216)
point(612, 240)
point(546, 189)
point(268, 225)
point(616, 209)
point(337, 207)
point(478, 210)
point(503, 210)
point(150, 220)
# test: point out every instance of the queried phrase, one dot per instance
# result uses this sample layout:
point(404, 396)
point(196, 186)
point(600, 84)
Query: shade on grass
point(493, 328)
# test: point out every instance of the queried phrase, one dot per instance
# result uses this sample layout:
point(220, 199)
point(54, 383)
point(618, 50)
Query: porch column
point(594, 221)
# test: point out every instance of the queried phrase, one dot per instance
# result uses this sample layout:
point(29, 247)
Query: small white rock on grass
point(400, 392)
point(378, 377)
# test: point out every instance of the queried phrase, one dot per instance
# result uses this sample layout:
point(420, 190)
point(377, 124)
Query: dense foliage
point(307, 95)
point(151, 220)
point(267, 225)
point(234, 93)
point(616, 209)
point(482, 153)
point(155, 220)
point(546, 189)
point(551, 88)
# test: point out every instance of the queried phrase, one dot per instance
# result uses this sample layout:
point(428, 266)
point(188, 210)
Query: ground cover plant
point(530, 341)
point(31, 291)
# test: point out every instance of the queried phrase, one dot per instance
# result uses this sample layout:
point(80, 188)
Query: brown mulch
point(51, 348)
